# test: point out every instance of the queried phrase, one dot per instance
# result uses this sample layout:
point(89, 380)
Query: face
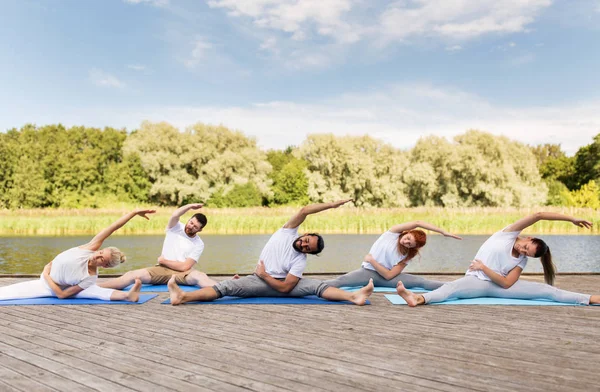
point(408, 241)
point(526, 247)
point(306, 244)
point(102, 258)
point(193, 227)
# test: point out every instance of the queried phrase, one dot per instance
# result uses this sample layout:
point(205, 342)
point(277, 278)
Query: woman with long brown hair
point(498, 265)
point(388, 257)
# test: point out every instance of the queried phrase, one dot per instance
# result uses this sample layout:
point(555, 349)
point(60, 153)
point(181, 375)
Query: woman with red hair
point(388, 257)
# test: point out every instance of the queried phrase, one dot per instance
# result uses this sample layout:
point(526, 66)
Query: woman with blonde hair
point(74, 272)
point(390, 255)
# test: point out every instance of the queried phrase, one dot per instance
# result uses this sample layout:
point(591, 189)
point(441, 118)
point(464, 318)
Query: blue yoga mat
point(73, 301)
point(160, 288)
point(383, 289)
point(308, 300)
point(397, 300)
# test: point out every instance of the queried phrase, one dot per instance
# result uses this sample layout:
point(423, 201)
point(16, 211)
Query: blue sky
point(281, 69)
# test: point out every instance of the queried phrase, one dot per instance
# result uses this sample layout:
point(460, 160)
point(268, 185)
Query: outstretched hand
point(195, 206)
point(338, 203)
point(582, 223)
point(142, 212)
point(445, 234)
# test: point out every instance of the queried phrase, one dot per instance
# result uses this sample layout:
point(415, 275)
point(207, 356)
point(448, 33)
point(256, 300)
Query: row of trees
point(53, 166)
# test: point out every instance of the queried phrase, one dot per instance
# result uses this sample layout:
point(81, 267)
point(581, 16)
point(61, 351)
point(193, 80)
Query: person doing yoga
point(279, 270)
point(390, 255)
point(498, 265)
point(74, 272)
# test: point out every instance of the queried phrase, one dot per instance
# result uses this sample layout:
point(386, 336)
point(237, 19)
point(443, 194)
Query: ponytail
point(543, 251)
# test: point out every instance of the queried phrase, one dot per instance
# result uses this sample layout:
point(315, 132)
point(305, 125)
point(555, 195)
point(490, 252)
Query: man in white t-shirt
point(181, 251)
point(279, 269)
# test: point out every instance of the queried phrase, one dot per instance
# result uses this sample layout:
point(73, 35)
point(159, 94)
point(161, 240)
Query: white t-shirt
point(385, 251)
point(280, 257)
point(496, 254)
point(179, 246)
point(70, 268)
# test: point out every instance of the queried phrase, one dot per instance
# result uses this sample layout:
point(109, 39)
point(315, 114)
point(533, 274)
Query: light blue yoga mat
point(308, 300)
point(73, 301)
point(397, 300)
point(160, 288)
point(383, 289)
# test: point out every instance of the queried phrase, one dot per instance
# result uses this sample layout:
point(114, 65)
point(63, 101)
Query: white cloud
point(103, 79)
point(136, 67)
point(523, 59)
point(453, 48)
point(399, 115)
point(199, 48)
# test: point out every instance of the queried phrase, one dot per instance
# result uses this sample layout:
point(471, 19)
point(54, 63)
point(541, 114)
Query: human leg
point(357, 297)
point(30, 289)
point(412, 281)
point(126, 279)
point(198, 278)
point(523, 289)
point(97, 292)
point(359, 277)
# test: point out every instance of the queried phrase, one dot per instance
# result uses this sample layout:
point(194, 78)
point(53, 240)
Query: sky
point(279, 70)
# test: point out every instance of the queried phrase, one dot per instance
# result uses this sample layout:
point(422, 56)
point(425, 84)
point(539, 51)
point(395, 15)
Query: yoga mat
point(160, 288)
point(397, 300)
point(74, 301)
point(308, 300)
point(383, 289)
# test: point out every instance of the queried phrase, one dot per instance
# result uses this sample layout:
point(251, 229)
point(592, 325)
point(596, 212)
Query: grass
point(345, 220)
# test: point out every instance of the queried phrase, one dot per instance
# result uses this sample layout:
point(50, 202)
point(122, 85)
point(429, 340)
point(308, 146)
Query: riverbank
point(345, 220)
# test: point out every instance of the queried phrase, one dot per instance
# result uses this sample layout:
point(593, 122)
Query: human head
point(409, 243)
point(311, 243)
point(108, 257)
point(195, 224)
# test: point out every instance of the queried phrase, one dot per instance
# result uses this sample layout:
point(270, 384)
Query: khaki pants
point(161, 275)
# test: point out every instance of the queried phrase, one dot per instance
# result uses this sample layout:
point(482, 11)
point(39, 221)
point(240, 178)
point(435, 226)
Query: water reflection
point(227, 254)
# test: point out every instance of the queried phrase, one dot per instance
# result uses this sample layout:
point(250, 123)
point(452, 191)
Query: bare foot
point(175, 292)
point(235, 277)
point(133, 294)
point(360, 297)
point(407, 295)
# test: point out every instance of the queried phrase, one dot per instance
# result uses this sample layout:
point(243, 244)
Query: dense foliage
point(54, 166)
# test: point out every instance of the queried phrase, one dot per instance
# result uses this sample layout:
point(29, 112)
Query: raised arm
point(305, 211)
point(97, 241)
point(423, 225)
point(180, 211)
point(524, 223)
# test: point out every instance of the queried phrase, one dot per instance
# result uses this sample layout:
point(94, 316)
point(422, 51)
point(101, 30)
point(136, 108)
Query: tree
point(362, 168)
point(587, 196)
point(587, 164)
point(290, 183)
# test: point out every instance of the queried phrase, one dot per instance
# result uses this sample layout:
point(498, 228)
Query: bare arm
point(524, 223)
point(387, 274)
point(305, 211)
point(180, 211)
point(503, 281)
point(283, 287)
point(97, 241)
point(177, 265)
point(56, 289)
point(423, 225)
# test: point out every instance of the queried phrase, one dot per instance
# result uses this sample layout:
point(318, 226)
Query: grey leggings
point(360, 277)
point(253, 286)
point(472, 287)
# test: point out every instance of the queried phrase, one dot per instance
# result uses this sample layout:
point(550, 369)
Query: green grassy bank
point(345, 220)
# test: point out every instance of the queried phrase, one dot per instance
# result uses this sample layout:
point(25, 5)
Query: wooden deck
point(381, 347)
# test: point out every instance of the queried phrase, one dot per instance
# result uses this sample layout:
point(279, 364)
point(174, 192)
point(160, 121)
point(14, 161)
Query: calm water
point(227, 254)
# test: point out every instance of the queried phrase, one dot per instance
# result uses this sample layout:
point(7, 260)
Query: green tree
point(587, 196)
point(290, 183)
point(587, 164)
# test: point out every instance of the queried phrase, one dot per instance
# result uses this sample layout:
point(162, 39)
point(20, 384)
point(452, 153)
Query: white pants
point(473, 287)
point(39, 288)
